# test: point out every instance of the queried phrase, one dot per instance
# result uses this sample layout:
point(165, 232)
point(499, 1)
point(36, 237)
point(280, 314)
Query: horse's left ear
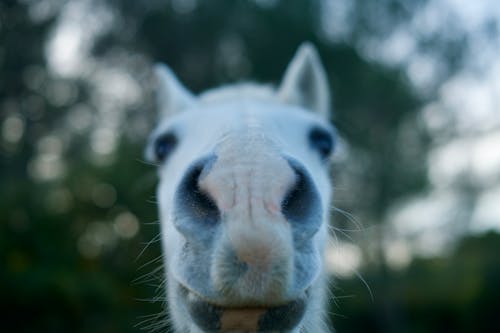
point(171, 95)
point(305, 83)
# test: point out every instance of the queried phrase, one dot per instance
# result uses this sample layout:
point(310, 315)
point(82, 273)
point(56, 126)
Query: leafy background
point(416, 97)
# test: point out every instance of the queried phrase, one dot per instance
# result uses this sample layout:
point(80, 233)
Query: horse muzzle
point(210, 317)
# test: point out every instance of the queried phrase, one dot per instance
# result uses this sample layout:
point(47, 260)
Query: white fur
point(305, 82)
point(250, 128)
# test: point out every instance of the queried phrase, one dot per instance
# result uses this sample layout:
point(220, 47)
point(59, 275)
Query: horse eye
point(164, 146)
point(322, 141)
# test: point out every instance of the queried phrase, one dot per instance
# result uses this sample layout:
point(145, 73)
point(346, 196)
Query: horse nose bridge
point(254, 193)
point(249, 190)
point(252, 182)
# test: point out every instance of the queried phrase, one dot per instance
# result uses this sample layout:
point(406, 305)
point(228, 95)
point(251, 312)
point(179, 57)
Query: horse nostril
point(193, 205)
point(200, 202)
point(302, 206)
point(296, 204)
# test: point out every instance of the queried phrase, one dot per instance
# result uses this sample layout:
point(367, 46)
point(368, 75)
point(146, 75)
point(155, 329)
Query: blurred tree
point(73, 187)
point(455, 294)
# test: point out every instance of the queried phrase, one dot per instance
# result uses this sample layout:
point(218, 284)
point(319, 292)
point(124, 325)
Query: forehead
point(239, 115)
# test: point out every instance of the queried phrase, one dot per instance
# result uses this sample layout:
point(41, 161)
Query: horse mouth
point(210, 317)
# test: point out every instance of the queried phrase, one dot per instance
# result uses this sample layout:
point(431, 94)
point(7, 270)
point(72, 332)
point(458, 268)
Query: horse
point(243, 198)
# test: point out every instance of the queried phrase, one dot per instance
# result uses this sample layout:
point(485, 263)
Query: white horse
point(244, 198)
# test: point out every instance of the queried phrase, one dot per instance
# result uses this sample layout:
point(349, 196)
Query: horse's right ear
point(171, 95)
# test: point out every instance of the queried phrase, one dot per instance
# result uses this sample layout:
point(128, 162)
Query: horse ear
point(305, 83)
point(171, 94)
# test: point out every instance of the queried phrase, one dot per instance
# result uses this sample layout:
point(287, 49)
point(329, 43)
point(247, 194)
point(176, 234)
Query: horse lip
point(210, 316)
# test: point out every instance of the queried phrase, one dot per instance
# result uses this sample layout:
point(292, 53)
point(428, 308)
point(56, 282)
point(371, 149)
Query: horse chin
point(211, 317)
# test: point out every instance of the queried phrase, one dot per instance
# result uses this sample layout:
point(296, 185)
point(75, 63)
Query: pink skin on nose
point(248, 182)
point(249, 193)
